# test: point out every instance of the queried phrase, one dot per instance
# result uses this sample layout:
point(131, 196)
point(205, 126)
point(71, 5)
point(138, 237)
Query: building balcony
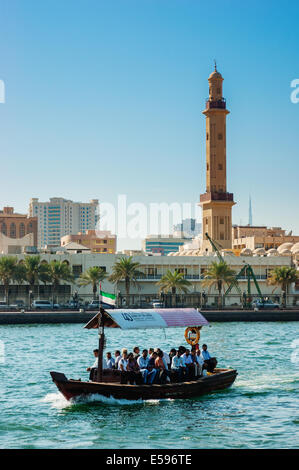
point(215, 196)
point(216, 104)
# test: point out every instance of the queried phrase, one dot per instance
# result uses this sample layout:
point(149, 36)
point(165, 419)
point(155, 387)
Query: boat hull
point(221, 379)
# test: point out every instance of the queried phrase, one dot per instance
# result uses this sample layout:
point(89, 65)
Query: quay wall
point(15, 318)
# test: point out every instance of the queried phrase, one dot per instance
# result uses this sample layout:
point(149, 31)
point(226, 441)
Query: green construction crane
point(246, 270)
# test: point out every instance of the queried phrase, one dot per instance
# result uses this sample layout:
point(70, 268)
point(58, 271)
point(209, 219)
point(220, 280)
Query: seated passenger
point(142, 361)
point(110, 361)
point(123, 367)
point(148, 373)
point(117, 358)
point(162, 367)
point(197, 361)
point(210, 362)
point(165, 357)
point(188, 359)
point(133, 369)
point(172, 353)
point(152, 368)
point(178, 367)
point(136, 352)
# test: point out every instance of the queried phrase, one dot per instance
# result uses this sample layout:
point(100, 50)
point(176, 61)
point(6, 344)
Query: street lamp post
point(29, 299)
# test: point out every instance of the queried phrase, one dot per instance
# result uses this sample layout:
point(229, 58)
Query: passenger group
point(154, 366)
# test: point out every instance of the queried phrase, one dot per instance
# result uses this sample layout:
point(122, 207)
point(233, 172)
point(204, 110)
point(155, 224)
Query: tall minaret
point(216, 202)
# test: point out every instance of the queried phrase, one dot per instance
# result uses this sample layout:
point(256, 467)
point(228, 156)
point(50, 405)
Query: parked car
point(44, 305)
point(5, 307)
point(266, 304)
point(95, 305)
point(157, 304)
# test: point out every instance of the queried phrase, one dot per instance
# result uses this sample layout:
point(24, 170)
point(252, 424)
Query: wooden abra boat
point(108, 381)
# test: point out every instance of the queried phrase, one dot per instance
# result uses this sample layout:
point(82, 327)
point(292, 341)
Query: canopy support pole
point(101, 345)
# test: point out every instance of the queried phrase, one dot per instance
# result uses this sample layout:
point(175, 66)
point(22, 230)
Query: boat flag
point(107, 298)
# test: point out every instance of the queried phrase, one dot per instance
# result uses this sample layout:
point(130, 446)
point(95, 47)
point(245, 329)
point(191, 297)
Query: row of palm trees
point(33, 271)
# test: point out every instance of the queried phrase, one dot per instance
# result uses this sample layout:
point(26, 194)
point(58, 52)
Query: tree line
point(33, 271)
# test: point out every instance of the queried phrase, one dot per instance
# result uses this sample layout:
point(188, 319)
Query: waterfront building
point(98, 241)
point(59, 217)
point(260, 237)
point(18, 232)
point(153, 268)
point(216, 202)
point(163, 244)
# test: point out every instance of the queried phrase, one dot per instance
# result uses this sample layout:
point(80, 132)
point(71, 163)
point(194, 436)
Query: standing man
point(93, 369)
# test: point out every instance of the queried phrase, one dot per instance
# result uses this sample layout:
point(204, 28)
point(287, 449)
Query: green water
point(259, 411)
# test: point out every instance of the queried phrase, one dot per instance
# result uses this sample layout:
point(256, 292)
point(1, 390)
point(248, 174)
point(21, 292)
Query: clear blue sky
point(106, 98)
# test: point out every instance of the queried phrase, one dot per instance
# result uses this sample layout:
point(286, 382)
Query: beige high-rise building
point(216, 202)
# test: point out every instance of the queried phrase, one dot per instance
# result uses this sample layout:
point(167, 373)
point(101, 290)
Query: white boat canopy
point(128, 319)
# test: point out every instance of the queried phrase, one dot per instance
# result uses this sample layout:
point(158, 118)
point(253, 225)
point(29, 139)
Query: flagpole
point(101, 338)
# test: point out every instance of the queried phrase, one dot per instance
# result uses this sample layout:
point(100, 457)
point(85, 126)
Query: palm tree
point(20, 273)
point(44, 273)
point(282, 276)
point(126, 270)
point(93, 276)
point(173, 282)
point(7, 271)
point(59, 271)
point(218, 274)
point(32, 265)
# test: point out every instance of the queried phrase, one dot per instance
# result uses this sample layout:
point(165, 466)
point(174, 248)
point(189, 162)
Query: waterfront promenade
point(14, 318)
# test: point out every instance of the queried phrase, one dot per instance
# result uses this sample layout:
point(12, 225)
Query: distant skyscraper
point(250, 212)
point(190, 227)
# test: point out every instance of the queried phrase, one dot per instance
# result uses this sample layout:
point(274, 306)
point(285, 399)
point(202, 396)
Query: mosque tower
point(216, 202)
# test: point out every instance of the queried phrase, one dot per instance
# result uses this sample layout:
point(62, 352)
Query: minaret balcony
point(216, 104)
point(214, 196)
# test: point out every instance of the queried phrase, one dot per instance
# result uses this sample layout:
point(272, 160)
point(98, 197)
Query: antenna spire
point(215, 65)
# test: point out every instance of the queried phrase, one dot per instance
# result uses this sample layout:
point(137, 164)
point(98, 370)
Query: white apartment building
point(59, 217)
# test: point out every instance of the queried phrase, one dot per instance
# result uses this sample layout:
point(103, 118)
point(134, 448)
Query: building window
point(12, 230)
point(207, 136)
point(220, 166)
point(22, 230)
point(3, 228)
point(221, 236)
point(221, 220)
point(220, 136)
point(77, 270)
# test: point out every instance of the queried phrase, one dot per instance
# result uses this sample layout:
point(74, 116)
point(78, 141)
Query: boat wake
point(58, 401)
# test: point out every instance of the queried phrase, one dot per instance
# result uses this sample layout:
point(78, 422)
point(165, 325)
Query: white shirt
point(199, 360)
point(95, 364)
point(142, 362)
point(123, 362)
point(117, 359)
point(167, 358)
point(177, 362)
